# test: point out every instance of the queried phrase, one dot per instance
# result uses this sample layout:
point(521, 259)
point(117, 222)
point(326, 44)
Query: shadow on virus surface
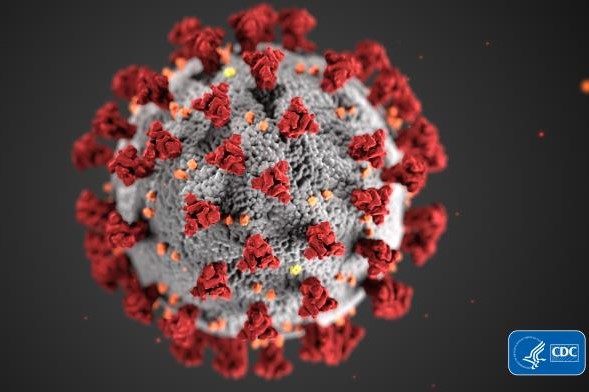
point(258, 192)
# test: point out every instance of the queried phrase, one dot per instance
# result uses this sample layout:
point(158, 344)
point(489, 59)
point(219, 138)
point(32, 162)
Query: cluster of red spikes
point(264, 65)
point(379, 255)
point(129, 166)
point(274, 182)
point(212, 282)
point(200, 214)
point(369, 148)
point(258, 324)
point(109, 234)
point(215, 105)
point(390, 299)
point(332, 344)
point(316, 298)
point(228, 156)
point(297, 120)
point(423, 228)
point(121, 234)
point(340, 68)
point(411, 172)
point(373, 202)
point(109, 124)
point(106, 235)
point(322, 242)
point(257, 253)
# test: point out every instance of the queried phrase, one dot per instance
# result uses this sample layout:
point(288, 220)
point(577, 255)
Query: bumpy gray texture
point(317, 162)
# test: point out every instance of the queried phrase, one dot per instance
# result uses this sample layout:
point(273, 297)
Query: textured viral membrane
point(263, 195)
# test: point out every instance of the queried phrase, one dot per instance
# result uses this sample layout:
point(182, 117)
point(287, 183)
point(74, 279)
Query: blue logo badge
point(546, 353)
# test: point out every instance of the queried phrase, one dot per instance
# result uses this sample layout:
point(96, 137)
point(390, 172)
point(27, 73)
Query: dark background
point(491, 75)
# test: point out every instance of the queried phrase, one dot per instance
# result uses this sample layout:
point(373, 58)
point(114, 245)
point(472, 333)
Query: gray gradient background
point(518, 247)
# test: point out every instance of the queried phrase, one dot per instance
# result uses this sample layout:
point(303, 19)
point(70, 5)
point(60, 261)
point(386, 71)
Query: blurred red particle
point(541, 134)
point(373, 201)
point(296, 23)
point(274, 182)
point(332, 344)
point(200, 214)
point(264, 66)
point(254, 25)
point(215, 105)
point(87, 152)
point(272, 365)
point(316, 298)
point(390, 299)
point(322, 242)
point(258, 324)
point(340, 67)
point(212, 282)
point(297, 120)
point(257, 253)
point(369, 147)
point(228, 156)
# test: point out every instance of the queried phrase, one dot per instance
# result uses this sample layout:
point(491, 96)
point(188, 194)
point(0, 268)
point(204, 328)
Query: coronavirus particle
point(258, 192)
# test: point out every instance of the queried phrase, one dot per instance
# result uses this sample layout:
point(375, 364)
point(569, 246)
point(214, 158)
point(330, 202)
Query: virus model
point(258, 192)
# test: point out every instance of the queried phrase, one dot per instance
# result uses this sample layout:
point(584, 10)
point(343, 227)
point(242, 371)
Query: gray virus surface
point(318, 162)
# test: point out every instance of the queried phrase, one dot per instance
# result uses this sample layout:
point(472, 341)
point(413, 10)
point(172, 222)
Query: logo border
point(545, 374)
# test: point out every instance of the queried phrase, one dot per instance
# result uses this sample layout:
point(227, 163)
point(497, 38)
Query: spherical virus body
point(259, 192)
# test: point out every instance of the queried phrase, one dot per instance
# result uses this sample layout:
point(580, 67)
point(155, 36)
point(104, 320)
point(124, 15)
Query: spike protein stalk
point(258, 192)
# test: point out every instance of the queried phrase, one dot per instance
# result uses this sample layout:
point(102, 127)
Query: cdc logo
point(564, 353)
point(546, 353)
point(528, 351)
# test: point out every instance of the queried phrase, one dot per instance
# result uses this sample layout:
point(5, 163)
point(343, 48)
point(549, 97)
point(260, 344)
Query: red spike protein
point(258, 192)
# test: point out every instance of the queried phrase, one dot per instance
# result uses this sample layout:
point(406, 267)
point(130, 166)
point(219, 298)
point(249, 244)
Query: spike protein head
point(259, 192)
